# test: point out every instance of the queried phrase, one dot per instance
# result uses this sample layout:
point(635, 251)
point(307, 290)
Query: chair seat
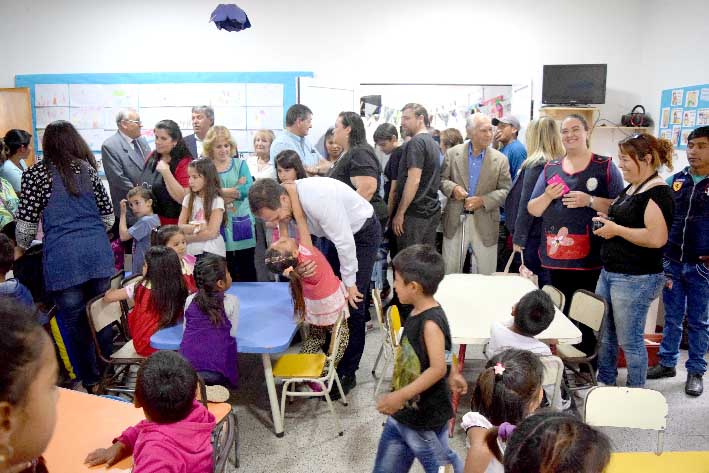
point(301, 365)
point(127, 351)
point(567, 351)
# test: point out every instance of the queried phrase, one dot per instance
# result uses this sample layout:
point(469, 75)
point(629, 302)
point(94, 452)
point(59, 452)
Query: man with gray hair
point(123, 156)
point(299, 121)
point(202, 121)
point(476, 179)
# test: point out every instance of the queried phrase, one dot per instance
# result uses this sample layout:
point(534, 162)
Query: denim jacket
point(689, 233)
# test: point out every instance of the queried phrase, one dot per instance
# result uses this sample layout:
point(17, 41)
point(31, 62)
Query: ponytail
point(209, 270)
point(665, 152)
point(284, 264)
point(639, 145)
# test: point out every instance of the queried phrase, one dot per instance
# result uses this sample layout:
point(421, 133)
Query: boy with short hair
point(530, 316)
point(177, 432)
point(11, 287)
point(419, 405)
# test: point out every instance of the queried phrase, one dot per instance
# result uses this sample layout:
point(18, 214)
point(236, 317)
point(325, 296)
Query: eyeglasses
point(137, 122)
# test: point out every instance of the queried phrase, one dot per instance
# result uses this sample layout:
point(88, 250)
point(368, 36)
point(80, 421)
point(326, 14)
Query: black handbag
point(636, 118)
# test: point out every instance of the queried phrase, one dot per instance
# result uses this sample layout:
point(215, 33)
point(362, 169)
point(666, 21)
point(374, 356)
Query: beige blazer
point(493, 186)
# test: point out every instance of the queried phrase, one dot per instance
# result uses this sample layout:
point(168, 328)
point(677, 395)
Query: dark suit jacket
point(493, 185)
point(123, 167)
point(191, 143)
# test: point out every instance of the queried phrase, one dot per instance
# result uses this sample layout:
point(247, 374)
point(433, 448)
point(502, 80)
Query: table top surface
point(266, 323)
point(648, 462)
point(86, 422)
point(472, 302)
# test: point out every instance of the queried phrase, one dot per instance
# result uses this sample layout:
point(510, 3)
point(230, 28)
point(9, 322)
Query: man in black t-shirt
point(418, 211)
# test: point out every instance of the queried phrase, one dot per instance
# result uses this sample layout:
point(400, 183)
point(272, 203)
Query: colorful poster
point(703, 117)
point(683, 136)
point(688, 108)
point(692, 99)
point(689, 118)
point(675, 135)
point(676, 116)
point(51, 95)
point(665, 119)
point(677, 97)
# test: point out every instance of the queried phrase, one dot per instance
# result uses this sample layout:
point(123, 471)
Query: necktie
point(137, 149)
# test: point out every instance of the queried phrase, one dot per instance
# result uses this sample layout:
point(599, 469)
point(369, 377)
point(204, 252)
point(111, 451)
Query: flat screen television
point(571, 84)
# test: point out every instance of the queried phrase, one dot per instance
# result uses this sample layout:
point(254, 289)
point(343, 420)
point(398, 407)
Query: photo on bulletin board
point(682, 109)
point(666, 134)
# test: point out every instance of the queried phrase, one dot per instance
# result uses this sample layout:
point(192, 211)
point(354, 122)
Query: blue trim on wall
point(287, 78)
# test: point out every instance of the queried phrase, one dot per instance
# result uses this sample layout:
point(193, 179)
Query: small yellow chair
point(304, 367)
point(390, 343)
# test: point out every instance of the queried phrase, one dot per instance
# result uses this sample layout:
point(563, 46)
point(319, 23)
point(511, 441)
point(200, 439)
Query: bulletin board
point(682, 110)
point(244, 102)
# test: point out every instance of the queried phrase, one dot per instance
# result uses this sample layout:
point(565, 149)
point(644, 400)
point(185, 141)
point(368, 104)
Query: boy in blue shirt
point(419, 405)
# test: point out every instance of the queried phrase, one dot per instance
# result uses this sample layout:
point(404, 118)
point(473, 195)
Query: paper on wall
point(229, 95)
point(264, 117)
point(233, 118)
point(87, 95)
point(86, 117)
point(94, 138)
point(264, 95)
point(51, 95)
point(46, 115)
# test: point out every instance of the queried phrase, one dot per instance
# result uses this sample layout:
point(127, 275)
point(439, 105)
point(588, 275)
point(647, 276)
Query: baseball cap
point(508, 119)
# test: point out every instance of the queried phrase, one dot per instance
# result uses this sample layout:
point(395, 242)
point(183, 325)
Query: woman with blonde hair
point(236, 180)
point(260, 163)
point(543, 145)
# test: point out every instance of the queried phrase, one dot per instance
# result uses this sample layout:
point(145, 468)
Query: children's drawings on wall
point(87, 117)
point(688, 110)
point(47, 115)
point(264, 117)
point(51, 95)
point(264, 95)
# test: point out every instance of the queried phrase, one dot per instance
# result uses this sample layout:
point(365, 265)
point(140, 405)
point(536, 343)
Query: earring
point(6, 452)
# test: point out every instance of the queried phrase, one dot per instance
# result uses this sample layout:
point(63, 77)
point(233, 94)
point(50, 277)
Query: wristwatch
point(590, 202)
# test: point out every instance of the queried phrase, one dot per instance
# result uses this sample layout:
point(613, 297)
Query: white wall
point(456, 41)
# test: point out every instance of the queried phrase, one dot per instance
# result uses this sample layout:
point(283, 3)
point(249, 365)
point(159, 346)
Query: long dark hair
point(161, 235)
point(505, 390)
point(358, 135)
point(62, 145)
point(177, 153)
point(167, 286)
point(209, 270)
point(289, 159)
point(211, 190)
point(277, 262)
point(554, 442)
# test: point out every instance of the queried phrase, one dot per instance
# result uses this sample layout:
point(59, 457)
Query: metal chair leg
point(376, 362)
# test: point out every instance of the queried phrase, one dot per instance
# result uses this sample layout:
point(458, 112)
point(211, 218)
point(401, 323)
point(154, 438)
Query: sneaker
point(217, 393)
point(694, 386)
point(660, 371)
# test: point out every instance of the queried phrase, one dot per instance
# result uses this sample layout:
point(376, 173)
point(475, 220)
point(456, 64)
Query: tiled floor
point(311, 443)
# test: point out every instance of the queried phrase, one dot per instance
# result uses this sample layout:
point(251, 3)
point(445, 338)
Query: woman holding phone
point(567, 195)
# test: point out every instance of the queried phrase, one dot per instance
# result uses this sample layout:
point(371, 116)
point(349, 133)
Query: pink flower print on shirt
point(561, 239)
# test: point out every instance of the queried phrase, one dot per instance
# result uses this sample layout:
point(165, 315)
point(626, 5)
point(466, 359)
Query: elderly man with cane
point(476, 179)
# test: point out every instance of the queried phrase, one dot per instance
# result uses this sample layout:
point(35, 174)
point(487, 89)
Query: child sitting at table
point(28, 392)
point(11, 287)
point(317, 299)
point(552, 442)
point(172, 237)
point(211, 318)
point(140, 200)
point(508, 390)
point(177, 431)
point(159, 297)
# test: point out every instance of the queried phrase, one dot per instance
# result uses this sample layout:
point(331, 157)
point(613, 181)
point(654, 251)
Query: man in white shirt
point(334, 211)
point(123, 157)
point(299, 121)
point(202, 121)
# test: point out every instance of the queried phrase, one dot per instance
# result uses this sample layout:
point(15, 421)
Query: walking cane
point(463, 246)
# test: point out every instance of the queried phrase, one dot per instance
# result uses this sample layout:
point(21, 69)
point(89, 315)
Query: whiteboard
point(326, 102)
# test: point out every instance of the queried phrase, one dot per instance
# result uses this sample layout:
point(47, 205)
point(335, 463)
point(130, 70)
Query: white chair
point(557, 297)
point(589, 309)
point(635, 408)
point(304, 367)
point(553, 375)
point(379, 311)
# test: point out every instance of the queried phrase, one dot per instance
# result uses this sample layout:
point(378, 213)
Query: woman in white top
point(260, 164)
point(18, 144)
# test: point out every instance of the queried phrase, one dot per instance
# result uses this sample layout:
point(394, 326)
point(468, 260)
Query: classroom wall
point(456, 41)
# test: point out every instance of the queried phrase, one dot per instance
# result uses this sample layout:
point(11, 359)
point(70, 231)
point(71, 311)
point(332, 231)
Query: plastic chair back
point(116, 280)
point(134, 279)
point(394, 322)
point(588, 308)
point(635, 408)
point(553, 375)
point(223, 440)
point(557, 297)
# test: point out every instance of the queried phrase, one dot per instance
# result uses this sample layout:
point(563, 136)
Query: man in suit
point(202, 121)
point(123, 156)
point(476, 179)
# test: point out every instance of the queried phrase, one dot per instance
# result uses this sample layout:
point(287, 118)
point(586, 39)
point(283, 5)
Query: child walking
point(159, 297)
point(211, 319)
point(202, 215)
point(317, 299)
point(140, 200)
point(552, 442)
point(177, 431)
point(507, 391)
point(170, 236)
point(419, 405)
point(28, 391)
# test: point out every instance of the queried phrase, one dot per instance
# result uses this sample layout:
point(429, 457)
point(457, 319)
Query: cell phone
point(555, 179)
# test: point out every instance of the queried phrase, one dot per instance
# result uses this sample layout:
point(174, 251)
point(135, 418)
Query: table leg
point(455, 398)
point(272, 395)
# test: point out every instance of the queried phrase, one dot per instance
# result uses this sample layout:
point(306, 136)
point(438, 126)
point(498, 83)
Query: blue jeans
point(688, 291)
point(628, 297)
point(399, 445)
point(71, 311)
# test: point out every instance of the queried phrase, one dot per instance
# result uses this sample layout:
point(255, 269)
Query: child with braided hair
point(507, 391)
point(211, 319)
point(317, 299)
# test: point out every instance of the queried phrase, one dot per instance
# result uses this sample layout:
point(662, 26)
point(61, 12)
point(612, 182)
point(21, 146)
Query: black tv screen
point(569, 84)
